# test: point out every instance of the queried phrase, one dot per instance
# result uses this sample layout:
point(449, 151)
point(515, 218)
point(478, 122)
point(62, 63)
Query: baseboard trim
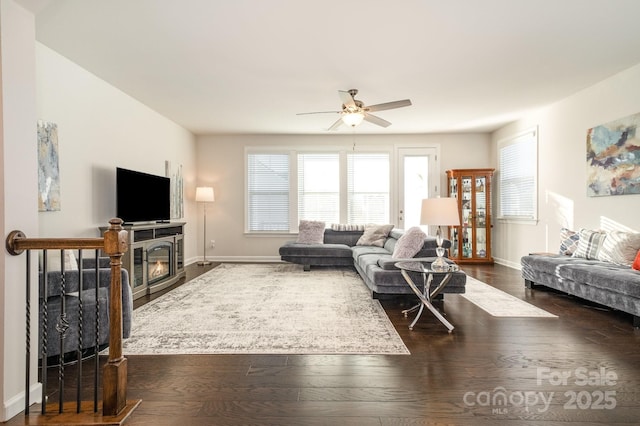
point(507, 263)
point(249, 259)
point(15, 405)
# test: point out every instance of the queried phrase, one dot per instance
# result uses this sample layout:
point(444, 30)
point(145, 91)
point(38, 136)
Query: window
point(518, 159)
point(319, 187)
point(368, 188)
point(268, 192)
point(333, 186)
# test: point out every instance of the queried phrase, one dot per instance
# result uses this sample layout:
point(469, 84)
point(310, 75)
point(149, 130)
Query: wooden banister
point(115, 407)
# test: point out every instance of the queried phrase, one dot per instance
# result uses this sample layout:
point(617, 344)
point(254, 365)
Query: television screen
point(142, 197)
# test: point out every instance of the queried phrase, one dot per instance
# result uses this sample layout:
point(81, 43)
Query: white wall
point(100, 128)
point(220, 163)
point(562, 188)
point(18, 189)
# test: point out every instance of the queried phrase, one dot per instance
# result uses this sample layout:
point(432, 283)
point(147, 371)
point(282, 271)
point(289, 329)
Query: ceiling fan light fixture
point(352, 119)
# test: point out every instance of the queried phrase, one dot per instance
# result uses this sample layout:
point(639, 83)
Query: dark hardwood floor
point(582, 368)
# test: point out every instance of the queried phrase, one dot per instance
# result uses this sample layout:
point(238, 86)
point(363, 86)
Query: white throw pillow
point(409, 244)
point(620, 247)
point(311, 232)
point(374, 235)
point(53, 260)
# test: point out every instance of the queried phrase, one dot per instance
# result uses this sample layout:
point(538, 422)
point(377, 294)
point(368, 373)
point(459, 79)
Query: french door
point(418, 178)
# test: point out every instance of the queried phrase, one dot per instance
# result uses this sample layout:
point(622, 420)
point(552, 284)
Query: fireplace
point(159, 262)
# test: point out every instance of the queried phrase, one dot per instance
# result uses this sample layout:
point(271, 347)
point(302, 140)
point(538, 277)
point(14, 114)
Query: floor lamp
point(204, 195)
point(440, 212)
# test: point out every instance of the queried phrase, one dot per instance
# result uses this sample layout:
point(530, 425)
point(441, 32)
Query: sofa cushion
point(374, 235)
point(389, 263)
point(589, 244)
point(349, 238)
point(409, 243)
point(311, 232)
point(315, 250)
point(362, 250)
point(636, 262)
point(620, 247)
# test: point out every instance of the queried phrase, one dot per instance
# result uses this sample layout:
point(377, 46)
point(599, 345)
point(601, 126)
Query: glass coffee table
point(425, 295)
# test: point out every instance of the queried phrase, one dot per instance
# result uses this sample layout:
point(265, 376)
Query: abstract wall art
point(177, 189)
point(613, 158)
point(48, 167)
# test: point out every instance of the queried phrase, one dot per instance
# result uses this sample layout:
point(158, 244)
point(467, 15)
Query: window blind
point(518, 177)
point(368, 188)
point(268, 192)
point(319, 187)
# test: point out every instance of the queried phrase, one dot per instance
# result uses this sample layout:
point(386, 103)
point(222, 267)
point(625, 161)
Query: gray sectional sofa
point(374, 264)
point(605, 283)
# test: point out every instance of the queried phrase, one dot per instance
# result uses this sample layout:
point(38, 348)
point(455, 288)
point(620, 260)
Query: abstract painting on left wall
point(48, 167)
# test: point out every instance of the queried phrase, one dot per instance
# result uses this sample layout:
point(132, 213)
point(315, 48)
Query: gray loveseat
point(54, 306)
point(605, 283)
point(374, 264)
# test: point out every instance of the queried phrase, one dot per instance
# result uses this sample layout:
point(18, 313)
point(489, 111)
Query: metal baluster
point(61, 327)
point(28, 342)
point(80, 331)
point(45, 326)
point(97, 343)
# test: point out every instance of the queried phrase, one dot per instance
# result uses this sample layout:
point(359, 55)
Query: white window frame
point(293, 181)
point(527, 136)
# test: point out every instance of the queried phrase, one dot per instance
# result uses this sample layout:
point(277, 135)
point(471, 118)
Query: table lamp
point(440, 212)
point(204, 194)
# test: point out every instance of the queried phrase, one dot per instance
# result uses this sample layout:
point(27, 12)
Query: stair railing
point(114, 372)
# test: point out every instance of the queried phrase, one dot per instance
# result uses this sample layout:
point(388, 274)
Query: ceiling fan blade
point(335, 125)
point(347, 99)
point(319, 112)
point(389, 105)
point(376, 120)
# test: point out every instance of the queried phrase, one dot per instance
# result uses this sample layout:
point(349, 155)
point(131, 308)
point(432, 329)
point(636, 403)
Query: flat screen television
point(142, 197)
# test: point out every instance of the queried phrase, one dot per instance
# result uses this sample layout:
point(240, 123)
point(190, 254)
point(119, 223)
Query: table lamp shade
point(204, 194)
point(440, 212)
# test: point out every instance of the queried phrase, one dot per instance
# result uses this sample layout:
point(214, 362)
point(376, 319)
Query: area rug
point(498, 303)
point(265, 309)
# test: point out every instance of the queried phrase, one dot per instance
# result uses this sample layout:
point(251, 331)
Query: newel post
point(114, 390)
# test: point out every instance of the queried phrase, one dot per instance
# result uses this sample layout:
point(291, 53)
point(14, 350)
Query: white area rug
point(498, 303)
point(265, 309)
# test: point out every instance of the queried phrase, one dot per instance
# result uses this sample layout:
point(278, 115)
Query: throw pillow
point(409, 244)
point(310, 232)
point(53, 261)
point(346, 227)
point(589, 244)
point(620, 247)
point(636, 263)
point(568, 241)
point(374, 235)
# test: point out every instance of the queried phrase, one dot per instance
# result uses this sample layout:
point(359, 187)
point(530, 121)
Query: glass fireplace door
point(159, 262)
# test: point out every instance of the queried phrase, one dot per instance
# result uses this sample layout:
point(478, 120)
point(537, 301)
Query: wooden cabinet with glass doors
point(471, 242)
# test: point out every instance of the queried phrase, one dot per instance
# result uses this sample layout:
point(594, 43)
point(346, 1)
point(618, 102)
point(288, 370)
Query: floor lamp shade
point(440, 212)
point(204, 194)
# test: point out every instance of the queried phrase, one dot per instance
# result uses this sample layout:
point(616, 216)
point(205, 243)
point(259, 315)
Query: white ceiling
point(248, 66)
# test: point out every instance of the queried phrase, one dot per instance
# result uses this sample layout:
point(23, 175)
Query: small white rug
point(265, 309)
point(498, 303)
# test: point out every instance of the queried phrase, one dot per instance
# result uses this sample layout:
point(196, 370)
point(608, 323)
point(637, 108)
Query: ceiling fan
point(354, 111)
